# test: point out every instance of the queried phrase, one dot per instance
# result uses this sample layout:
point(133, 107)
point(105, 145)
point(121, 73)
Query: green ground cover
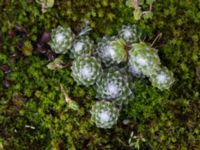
point(33, 111)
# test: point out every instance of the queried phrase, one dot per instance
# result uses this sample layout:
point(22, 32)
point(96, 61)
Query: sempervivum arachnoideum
point(114, 86)
point(82, 46)
point(129, 33)
point(86, 70)
point(144, 58)
point(61, 40)
point(111, 51)
point(104, 114)
point(134, 70)
point(162, 79)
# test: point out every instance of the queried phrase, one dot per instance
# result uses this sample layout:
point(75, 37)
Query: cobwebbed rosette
point(134, 70)
point(111, 51)
point(113, 86)
point(104, 114)
point(83, 46)
point(162, 79)
point(86, 70)
point(61, 40)
point(144, 58)
point(130, 34)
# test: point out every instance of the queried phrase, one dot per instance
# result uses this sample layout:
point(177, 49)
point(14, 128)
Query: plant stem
point(157, 37)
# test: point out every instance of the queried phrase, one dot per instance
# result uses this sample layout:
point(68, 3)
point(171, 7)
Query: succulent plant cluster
point(82, 46)
point(102, 66)
point(110, 50)
point(86, 70)
point(130, 33)
point(61, 40)
point(113, 86)
point(145, 60)
point(104, 114)
point(162, 78)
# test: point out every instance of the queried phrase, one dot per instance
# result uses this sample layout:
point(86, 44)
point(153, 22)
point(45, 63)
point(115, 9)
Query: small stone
point(45, 38)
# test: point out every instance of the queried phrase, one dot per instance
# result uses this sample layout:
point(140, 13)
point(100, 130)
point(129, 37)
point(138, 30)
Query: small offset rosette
point(86, 70)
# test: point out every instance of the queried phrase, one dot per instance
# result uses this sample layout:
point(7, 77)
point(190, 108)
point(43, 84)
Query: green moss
point(39, 117)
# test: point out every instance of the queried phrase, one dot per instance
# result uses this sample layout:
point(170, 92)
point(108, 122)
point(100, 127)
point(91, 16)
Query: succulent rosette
point(61, 40)
point(134, 70)
point(104, 114)
point(86, 70)
point(129, 33)
point(111, 51)
point(113, 86)
point(144, 58)
point(82, 46)
point(162, 79)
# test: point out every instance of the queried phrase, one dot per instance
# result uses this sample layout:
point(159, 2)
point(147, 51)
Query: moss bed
point(33, 112)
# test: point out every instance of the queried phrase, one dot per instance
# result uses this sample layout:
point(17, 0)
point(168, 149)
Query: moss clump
point(33, 112)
